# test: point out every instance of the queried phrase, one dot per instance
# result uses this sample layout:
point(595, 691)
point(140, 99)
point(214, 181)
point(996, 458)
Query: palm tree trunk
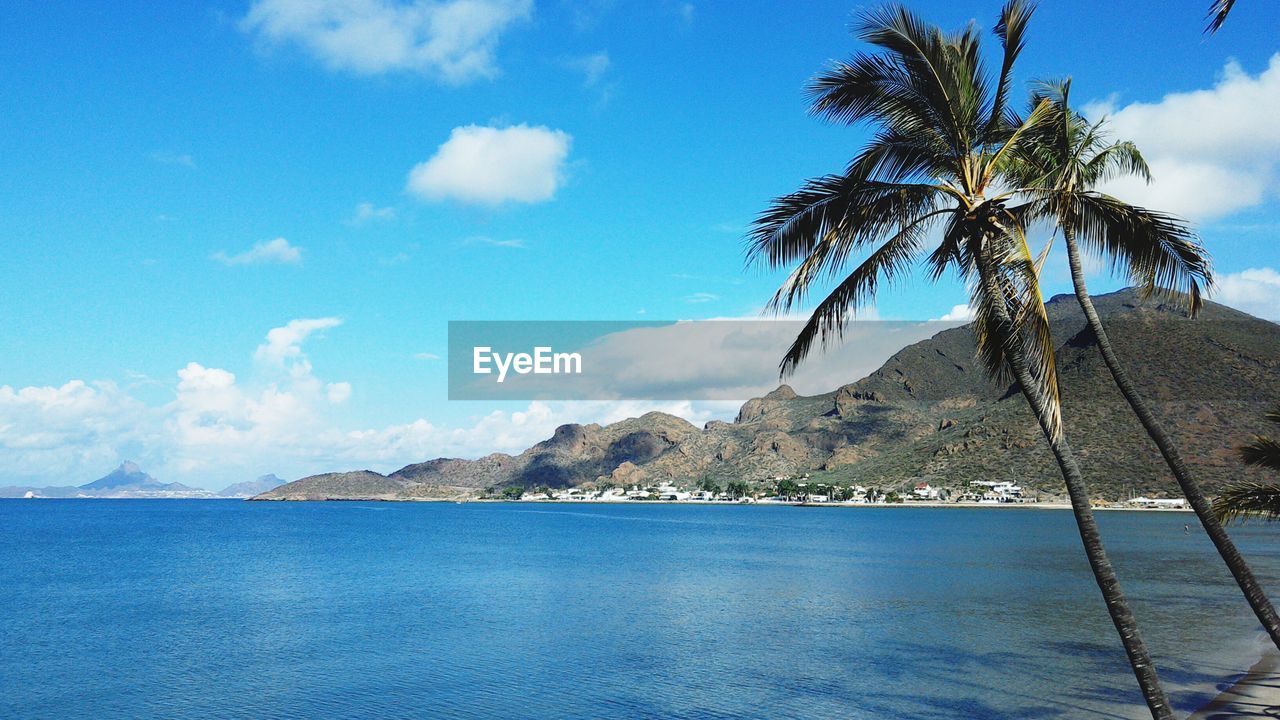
point(1117, 605)
point(1190, 488)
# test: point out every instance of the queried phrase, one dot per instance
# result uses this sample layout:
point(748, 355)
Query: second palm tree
point(945, 136)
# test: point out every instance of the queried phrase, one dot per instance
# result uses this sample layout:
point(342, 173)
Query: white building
point(1158, 503)
point(671, 492)
point(924, 491)
point(995, 493)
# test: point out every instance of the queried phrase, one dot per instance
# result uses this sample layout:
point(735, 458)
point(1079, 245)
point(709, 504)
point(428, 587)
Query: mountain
point(249, 488)
point(929, 413)
point(575, 454)
point(127, 476)
point(129, 480)
point(126, 481)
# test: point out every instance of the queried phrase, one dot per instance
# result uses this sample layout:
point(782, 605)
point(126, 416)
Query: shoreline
point(719, 503)
point(701, 503)
point(1254, 693)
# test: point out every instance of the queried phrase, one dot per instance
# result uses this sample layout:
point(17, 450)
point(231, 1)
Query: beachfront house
point(671, 492)
point(924, 491)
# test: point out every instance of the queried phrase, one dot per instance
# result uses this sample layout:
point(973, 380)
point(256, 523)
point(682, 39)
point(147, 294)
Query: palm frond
point(832, 216)
point(1039, 116)
point(827, 321)
point(1159, 252)
point(873, 88)
point(1246, 499)
point(1217, 15)
point(895, 158)
point(1013, 325)
point(1115, 160)
point(951, 251)
point(1261, 452)
point(934, 64)
point(1011, 29)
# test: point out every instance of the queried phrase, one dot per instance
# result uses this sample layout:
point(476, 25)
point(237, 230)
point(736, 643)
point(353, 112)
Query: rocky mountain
point(929, 413)
point(126, 481)
point(249, 488)
point(130, 477)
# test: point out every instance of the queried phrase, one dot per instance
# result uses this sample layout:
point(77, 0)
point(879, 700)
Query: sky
point(235, 231)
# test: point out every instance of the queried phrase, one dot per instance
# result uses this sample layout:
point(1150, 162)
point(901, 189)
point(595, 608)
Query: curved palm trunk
point(1117, 605)
point(1190, 488)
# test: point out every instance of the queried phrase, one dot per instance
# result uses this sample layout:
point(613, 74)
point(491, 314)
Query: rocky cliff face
point(929, 413)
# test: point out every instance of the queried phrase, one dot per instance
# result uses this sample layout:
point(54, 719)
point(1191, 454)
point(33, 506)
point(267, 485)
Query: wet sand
point(1255, 694)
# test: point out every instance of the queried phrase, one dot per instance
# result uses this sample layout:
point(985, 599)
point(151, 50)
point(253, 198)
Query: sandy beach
point(1255, 694)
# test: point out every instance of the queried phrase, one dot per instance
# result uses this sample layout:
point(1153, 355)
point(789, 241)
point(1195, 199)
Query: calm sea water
point(224, 609)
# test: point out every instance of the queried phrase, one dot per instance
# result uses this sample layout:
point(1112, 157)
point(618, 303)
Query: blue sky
point(145, 152)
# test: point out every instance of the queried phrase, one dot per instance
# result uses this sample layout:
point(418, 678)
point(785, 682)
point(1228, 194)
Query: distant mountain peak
point(249, 488)
point(128, 475)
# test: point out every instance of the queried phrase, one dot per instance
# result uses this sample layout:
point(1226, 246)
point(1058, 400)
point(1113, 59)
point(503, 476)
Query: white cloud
point(169, 158)
point(491, 166)
point(51, 433)
point(1212, 152)
point(284, 344)
point(220, 428)
point(686, 12)
point(493, 242)
point(593, 67)
point(454, 40)
point(366, 212)
point(197, 378)
point(218, 425)
point(958, 313)
point(426, 356)
point(1255, 291)
point(701, 297)
point(270, 251)
point(338, 392)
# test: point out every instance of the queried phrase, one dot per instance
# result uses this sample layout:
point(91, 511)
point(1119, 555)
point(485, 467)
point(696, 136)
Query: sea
point(228, 609)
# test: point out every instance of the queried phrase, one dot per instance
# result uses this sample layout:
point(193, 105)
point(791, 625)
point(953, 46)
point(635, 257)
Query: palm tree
point(1067, 159)
point(1217, 14)
point(944, 138)
point(1247, 498)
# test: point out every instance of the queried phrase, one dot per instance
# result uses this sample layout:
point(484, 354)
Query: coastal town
point(800, 491)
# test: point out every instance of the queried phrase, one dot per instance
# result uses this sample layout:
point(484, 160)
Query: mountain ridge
point(129, 481)
point(928, 413)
